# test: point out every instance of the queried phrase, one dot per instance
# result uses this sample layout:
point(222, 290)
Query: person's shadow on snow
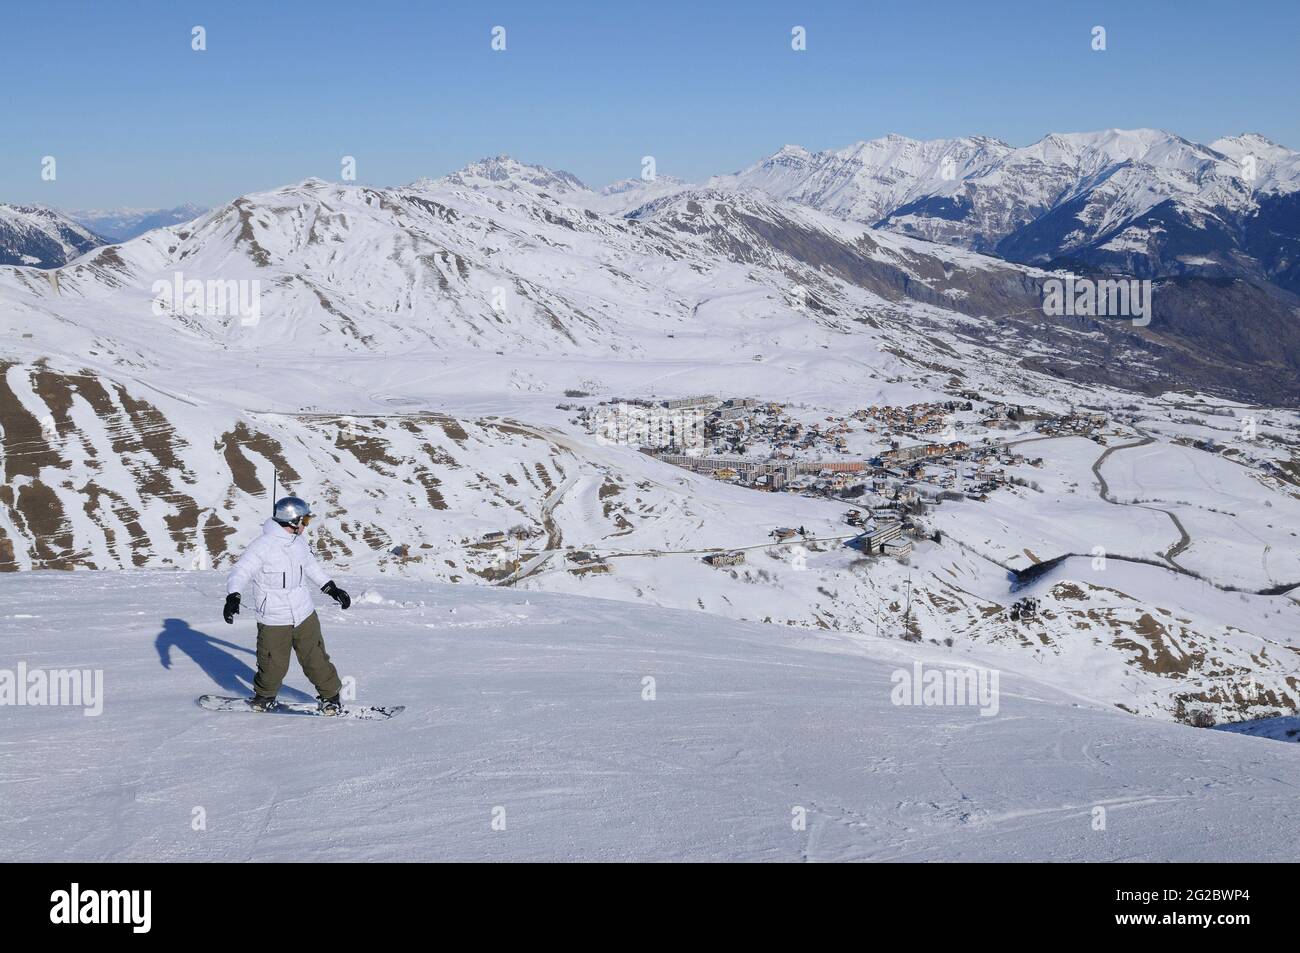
point(227, 670)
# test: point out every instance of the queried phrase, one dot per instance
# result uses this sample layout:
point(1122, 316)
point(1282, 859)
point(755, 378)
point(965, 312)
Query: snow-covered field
point(1239, 534)
point(529, 709)
point(1064, 515)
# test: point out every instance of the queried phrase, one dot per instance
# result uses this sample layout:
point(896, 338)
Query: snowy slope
point(529, 708)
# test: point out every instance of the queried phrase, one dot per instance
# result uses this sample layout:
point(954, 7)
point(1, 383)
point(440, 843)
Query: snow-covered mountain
point(627, 195)
point(503, 172)
point(41, 237)
point(121, 224)
point(348, 268)
point(659, 185)
point(413, 351)
point(1142, 202)
point(868, 180)
point(1277, 168)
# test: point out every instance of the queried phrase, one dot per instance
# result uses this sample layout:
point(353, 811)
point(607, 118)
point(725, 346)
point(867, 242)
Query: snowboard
point(355, 712)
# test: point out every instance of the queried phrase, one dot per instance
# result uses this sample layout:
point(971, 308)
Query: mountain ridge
point(42, 237)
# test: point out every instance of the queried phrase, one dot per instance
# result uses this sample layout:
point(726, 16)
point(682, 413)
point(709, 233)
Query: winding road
point(1184, 540)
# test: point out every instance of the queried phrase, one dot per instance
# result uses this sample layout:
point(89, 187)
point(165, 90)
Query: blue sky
point(134, 116)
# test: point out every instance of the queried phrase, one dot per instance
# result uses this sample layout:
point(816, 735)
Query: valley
point(414, 370)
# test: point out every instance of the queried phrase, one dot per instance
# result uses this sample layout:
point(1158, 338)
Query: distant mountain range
point(122, 224)
point(1217, 227)
point(507, 173)
point(47, 238)
point(1143, 202)
point(473, 258)
point(41, 237)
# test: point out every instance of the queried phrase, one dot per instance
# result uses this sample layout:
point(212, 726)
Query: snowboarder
point(279, 565)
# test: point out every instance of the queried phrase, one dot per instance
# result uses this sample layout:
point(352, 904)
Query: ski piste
point(355, 712)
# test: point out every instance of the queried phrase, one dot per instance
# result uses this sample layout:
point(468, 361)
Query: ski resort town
point(888, 462)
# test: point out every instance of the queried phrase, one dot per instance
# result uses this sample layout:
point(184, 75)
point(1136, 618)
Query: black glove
point(232, 608)
point(337, 594)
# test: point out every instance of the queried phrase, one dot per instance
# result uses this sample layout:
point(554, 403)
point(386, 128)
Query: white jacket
point(279, 565)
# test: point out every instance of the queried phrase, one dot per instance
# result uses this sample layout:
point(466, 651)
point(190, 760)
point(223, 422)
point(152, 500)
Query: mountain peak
point(1250, 143)
point(505, 172)
point(659, 182)
point(790, 149)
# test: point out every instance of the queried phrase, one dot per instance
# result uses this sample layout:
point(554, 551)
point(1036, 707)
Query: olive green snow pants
point(273, 645)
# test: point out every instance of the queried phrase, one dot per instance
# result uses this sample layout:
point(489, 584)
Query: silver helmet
point(291, 511)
